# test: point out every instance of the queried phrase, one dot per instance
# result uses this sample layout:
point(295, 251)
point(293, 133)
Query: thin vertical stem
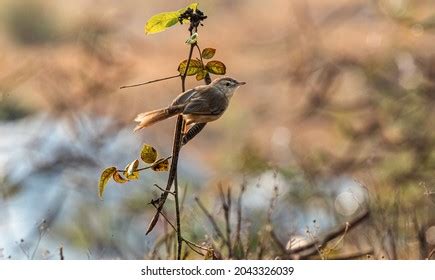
point(177, 144)
point(178, 216)
point(183, 77)
point(176, 151)
point(173, 169)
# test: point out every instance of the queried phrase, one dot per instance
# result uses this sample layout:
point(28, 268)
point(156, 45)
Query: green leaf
point(201, 75)
point(195, 66)
point(208, 53)
point(216, 67)
point(162, 21)
point(131, 172)
point(104, 178)
point(161, 165)
point(148, 154)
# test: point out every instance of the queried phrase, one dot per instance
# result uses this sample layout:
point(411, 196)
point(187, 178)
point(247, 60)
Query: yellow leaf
point(118, 178)
point(195, 66)
point(208, 53)
point(104, 178)
point(201, 75)
point(131, 172)
point(216, 67)
point(162, 21)
point(148, 154)
point(161, 165)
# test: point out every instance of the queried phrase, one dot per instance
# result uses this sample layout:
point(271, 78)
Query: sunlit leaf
point(208, 53)
point(161, 165)
point(216, 67)
point(192, 39)
point(195, 66)
point(148, 154)
point(104, 178)
point(160, 22)
point(131, 172)
point(201, 75)
point(118, 178)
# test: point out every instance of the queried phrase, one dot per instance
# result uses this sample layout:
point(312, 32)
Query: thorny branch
point(195, 17)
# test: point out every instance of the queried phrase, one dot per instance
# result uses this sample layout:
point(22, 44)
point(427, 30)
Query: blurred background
point(337, 121)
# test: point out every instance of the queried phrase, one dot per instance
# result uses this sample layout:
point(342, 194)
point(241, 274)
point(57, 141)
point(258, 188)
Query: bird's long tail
point(151, 117)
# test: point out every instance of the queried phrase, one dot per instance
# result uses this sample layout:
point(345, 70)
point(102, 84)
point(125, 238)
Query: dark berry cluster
point(194, 16)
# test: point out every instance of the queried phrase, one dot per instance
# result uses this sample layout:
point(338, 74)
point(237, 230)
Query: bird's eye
point(227, 84)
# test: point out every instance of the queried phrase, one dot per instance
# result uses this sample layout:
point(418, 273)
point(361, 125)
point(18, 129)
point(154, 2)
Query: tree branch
point(150, 82)
point(310, 248)
point(173, 170)
point(195, 17)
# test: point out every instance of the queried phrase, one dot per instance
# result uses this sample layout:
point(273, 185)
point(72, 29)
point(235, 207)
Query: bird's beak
point(241, 83)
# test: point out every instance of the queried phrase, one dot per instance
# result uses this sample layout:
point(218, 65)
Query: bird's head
point(227, 85)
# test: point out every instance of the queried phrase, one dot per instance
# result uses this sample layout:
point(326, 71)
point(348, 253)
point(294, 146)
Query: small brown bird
point(200, 104)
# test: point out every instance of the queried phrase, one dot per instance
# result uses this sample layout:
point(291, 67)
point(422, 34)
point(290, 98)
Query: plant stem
point(172, 178)
point(183, 77)
point(178, 218)
point(177, 147)
point(172, 172)
point(211, 219)
point(150, 82)
point(195, 20)
point(146, 167)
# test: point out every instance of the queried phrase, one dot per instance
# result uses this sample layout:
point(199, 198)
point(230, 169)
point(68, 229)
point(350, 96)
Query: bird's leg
point(192, 132)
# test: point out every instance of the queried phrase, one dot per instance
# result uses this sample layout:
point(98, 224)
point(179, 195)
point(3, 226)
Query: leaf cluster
point(148, 155)
point(198, 68)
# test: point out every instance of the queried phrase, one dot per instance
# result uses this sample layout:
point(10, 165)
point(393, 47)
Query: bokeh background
point(337, 119)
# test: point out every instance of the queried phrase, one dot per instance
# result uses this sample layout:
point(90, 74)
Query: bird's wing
point(184, 97)
point(206, 102)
